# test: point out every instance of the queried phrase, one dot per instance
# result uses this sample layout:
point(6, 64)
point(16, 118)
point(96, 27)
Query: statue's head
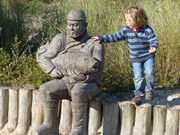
point(76, 23)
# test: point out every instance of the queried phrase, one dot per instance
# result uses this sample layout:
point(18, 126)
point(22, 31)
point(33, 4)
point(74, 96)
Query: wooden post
point(13, 109)
point(94, 118)
point(159, 119)
point(37, 112)
point(178, 108)
point(127, 117)
point(65, 118)
point(143, 120)
point(24, 116)
point(110, 119)
point(3, 106)
point(179, 124)
point(179, 120)
point(12, 112)
point(172, 121)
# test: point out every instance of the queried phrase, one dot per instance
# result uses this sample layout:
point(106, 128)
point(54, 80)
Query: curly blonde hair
point(138, 15)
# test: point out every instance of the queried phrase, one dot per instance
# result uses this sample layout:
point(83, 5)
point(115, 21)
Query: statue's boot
point(50, 123)
point(79, 120)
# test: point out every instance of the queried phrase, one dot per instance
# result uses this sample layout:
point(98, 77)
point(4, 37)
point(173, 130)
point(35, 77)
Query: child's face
point(129, 20)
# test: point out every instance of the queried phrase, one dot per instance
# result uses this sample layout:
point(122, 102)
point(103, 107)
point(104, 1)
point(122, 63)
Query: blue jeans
point(144, 73)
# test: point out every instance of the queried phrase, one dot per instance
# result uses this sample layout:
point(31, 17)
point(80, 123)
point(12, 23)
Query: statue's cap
point(76, 15)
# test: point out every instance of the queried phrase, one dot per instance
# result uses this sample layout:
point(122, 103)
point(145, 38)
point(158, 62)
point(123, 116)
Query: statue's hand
point(56, 73)
point(80, 77)
point(43, 48)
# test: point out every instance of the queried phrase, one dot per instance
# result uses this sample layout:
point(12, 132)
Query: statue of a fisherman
point(75, 61)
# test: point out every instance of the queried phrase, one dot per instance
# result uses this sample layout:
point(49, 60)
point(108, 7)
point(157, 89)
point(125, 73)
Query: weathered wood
point(16, 114)
point(12, 112)
point(13, 109)
point(3, 106)
point(110, 119)
point(159, 120)
point(66, 118)
point(24, 116)
point(36, 112)
point(179, 124)
point(94, 118)
point(172, 121)
point(178, 108)
point(59, 110)
point(127, 117)
point(143, 123)
point(179, 118)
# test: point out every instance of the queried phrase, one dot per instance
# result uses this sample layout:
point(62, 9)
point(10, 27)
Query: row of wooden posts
point(21, 112)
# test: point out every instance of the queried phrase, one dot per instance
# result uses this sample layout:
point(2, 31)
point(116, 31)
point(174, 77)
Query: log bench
point(21, 112)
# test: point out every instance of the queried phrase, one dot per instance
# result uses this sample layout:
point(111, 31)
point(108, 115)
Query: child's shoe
point(137, 100)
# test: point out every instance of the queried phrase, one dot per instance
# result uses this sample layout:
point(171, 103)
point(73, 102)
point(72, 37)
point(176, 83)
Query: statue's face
point(75, 28)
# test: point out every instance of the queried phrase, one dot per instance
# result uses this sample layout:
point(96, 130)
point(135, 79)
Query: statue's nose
point(72, 27)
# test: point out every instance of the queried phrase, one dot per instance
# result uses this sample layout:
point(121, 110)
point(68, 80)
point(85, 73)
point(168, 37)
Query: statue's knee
point(44, 90)
point(79, 94)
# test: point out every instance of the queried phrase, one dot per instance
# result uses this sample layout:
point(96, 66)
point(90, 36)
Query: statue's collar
point(70, 42)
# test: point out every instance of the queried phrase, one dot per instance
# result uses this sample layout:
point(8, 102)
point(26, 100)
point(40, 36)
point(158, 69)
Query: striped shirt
point(139, 42)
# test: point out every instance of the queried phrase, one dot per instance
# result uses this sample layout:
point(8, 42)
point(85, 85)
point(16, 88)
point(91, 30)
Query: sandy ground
point(160, 97)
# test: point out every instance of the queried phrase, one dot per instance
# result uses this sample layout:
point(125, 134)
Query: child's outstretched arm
point(114, 37)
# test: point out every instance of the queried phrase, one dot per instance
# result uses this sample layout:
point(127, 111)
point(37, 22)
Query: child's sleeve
point(153, 39)
point(114, 37)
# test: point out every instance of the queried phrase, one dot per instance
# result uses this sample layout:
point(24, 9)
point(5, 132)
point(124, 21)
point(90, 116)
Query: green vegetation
point(104, 16)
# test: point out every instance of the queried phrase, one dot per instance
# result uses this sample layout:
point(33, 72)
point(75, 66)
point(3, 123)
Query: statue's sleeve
point(46, 53)
point(98, 54)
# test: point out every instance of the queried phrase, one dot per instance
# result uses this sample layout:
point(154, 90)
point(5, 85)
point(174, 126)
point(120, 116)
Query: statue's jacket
point(66, 54)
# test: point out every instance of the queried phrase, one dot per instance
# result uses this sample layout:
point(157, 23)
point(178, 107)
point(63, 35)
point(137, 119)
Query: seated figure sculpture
point(75, 61)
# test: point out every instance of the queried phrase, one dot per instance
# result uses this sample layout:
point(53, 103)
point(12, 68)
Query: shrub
point(20, 70)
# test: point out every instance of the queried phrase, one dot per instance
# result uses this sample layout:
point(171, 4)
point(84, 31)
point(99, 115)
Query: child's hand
point(96, 38)
point(152, 50)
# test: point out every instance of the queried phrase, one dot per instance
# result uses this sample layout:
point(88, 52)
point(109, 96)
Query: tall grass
point(164, 17)
point(104, 17)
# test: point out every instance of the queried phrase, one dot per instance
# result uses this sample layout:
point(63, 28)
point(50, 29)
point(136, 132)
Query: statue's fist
point(56, 73)
point(80, 77)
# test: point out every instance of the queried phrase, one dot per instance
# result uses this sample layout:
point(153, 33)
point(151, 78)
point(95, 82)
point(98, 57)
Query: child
point(142, 44)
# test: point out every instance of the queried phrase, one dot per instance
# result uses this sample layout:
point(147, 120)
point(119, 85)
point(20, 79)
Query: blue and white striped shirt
point(139, 42)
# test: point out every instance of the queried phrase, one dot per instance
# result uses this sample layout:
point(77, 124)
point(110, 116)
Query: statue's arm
point(47, 53)
point(98, 54)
